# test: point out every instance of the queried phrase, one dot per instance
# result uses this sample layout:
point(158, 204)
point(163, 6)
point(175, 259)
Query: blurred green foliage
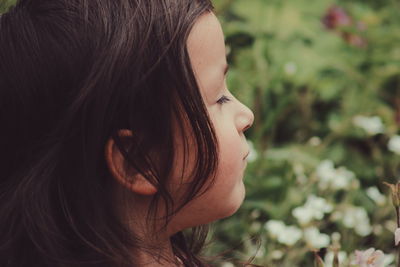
point(5, 5)
point(308, 69)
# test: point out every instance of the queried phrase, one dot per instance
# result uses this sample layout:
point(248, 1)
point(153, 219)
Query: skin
point(230, 119)
point(206, 48)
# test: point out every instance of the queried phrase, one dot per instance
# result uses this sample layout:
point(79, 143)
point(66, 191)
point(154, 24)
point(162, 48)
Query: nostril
point(247, 127)
point(245, 119)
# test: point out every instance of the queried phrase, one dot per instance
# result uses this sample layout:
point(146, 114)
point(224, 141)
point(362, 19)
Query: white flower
point(315, 239)
point(328, 260)
point(320, 206)
point(351, 216)
point(376, 196)
point(329, 177)
point(303, 214)
point(326, 169)
point(287, 235)
point(372, 125)
point(369, 258)
point(394, 144)
point(314, 208)
point(291, 236)
point(357, 218)
point(363, 229)
point(275, 228)
point(253, 153)
point(388, 259)
point(277, 254)
point(315, 141)
point(255, 214)
point(298, 169)
point(343, 178)
point(227, 264)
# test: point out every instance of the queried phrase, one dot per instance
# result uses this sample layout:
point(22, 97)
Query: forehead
point(206, 47)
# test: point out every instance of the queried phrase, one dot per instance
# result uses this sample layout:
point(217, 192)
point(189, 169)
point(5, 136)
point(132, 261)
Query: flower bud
point(397, 236)
point(335, 257)
point(395, 189)
point(318, 261)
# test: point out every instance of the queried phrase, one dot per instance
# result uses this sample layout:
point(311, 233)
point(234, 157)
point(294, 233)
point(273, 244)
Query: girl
point(118, 132)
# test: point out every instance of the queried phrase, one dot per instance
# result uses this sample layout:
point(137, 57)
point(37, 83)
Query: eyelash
point(224, 99)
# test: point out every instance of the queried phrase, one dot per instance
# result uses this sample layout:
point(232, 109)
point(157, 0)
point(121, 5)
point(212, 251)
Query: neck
point(157, 245)
point(163, 256)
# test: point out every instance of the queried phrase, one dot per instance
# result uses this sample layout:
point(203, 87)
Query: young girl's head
point(118, 132)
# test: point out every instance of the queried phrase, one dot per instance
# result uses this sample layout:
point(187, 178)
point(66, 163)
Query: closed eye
point(223, 99)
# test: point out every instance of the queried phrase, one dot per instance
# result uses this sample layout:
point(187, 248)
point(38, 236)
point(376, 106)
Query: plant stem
point(398, 258)
point(398, 225)
point(398, 216)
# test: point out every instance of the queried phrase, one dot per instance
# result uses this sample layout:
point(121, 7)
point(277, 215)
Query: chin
point(232, 211)
point(219, 207)
point(235, 204)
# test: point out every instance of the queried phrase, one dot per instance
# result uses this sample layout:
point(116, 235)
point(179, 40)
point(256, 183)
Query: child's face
point(230, 119)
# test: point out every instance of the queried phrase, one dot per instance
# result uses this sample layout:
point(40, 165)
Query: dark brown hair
point(72, 73)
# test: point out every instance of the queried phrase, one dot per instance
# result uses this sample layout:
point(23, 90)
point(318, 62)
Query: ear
point(115, 161)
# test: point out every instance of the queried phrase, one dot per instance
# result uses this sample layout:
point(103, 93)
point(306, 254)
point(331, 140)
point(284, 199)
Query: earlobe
point(115, 161)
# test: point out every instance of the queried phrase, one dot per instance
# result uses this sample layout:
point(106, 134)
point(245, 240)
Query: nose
point(245, 119)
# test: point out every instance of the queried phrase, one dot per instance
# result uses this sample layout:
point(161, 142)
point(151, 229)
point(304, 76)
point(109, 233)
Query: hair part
point(72, 73)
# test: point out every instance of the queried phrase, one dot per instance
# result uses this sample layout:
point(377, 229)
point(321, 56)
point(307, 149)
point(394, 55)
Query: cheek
point(230, 174)
point(231, 150)
point(231, 164)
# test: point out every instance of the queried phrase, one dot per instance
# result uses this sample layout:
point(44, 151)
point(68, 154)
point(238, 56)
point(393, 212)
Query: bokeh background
point(323, 80)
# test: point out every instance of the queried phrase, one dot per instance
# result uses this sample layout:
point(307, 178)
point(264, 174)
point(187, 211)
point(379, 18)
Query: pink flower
point(397, 236)
point(369, 258)
point(336, 17)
